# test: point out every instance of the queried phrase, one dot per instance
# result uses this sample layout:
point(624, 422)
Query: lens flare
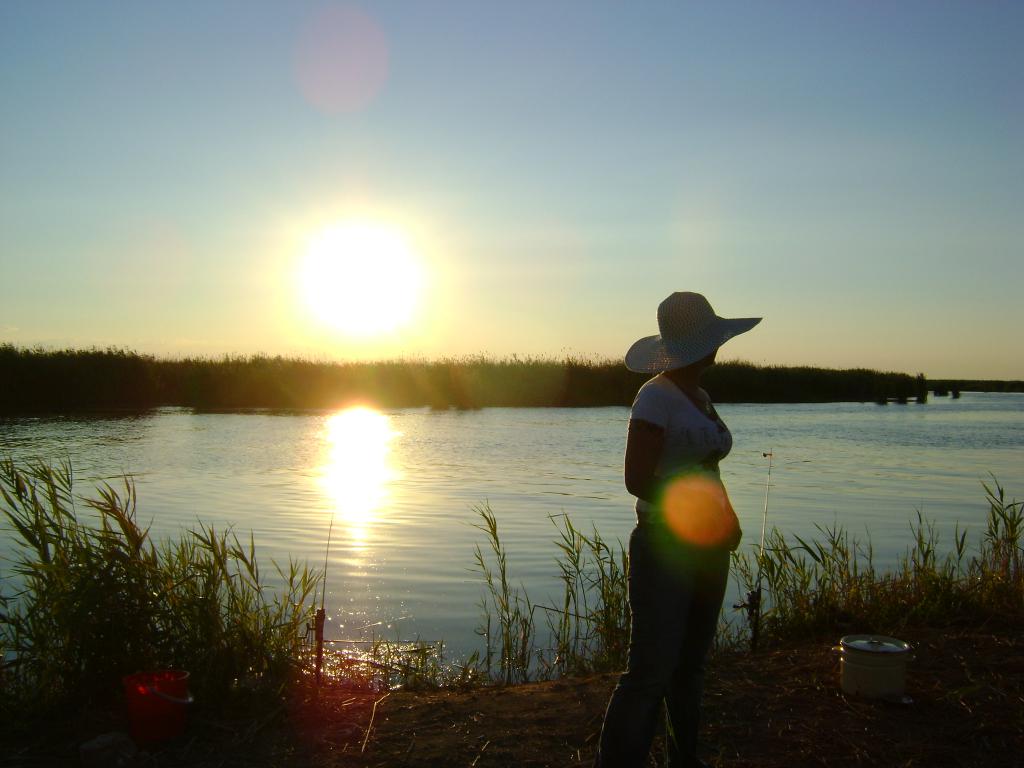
point(341, 59)
point(697, 511)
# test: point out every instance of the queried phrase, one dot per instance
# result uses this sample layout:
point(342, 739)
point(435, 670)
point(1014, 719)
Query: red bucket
point(157, 704)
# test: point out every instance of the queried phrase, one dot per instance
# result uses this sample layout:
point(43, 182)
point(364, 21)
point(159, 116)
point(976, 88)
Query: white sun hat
point(690, 331)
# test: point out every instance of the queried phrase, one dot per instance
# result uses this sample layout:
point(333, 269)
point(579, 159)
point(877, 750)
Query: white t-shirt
point(693, 439)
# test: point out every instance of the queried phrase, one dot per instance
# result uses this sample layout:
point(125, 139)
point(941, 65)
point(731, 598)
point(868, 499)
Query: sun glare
point(357, 471)
point(362, 279)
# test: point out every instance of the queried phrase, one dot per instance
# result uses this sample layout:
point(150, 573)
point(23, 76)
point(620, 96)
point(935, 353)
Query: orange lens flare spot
point(342, 59)
point(697, 511)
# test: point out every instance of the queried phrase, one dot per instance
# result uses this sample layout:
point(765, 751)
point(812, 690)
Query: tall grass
point(508, 632)
point(814, 587)
point(588, 630)
point(72, 380)
point(92, 597)
point(831, 583)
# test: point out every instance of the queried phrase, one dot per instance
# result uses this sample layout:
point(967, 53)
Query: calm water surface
point(401, 486)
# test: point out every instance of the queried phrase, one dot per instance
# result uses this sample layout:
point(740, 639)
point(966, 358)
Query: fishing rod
point(752, 603)
point(753, 598)
point(321, 613)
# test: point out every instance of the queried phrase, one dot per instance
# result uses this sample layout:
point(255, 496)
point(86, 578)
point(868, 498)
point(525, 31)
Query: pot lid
point(874, 644)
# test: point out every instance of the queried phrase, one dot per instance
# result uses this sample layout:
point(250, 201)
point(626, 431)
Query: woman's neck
point(687, 379)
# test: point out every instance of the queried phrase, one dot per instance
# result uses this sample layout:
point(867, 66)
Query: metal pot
point(873, 666)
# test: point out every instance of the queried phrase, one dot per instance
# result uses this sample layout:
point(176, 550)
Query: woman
point(686, 527)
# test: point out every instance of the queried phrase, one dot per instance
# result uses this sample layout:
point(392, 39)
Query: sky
point(528, 178)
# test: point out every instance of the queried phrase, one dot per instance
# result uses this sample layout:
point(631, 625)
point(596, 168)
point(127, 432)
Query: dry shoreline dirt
point(779, 708)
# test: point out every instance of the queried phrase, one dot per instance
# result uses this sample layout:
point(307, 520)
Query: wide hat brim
point(653, 354)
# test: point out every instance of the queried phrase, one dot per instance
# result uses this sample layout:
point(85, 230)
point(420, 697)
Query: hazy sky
point(851, 171)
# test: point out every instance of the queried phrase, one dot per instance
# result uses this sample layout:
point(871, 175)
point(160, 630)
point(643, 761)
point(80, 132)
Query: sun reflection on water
point(357, 470)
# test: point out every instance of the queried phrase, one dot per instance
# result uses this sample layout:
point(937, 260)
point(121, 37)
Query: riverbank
point(100, 600)
point(782, 707)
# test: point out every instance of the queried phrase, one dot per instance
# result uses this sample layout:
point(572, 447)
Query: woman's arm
point(644, 443)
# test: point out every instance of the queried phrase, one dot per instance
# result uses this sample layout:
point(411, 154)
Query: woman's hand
point(737, 537)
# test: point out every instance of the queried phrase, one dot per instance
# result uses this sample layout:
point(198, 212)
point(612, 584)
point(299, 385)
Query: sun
point(361, 278)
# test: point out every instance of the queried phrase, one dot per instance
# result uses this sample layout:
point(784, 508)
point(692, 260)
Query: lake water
point(401, 486)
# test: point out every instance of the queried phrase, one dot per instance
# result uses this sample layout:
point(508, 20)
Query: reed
point(831, 584)
point(587, 631)
point(508, 627)
point(91, 597)
point(590, 630)
point(39, 380)
point(814, 587)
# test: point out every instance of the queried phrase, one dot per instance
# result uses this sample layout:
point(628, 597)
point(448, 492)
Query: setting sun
point(361, 278)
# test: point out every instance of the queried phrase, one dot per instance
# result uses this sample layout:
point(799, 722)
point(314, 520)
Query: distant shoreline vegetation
point(61, 381)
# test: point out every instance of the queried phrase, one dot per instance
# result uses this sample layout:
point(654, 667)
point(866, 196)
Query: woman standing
point(686, 527)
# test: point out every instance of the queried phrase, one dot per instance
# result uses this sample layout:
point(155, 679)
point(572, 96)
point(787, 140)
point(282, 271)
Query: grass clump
point(587, 631)
point(830, 584)
point(92, 597)
point(411, 665)
point(813, 587)
point(510, 630)
point(591, 628)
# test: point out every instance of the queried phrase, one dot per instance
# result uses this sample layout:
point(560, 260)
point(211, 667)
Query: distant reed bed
point(39, 380)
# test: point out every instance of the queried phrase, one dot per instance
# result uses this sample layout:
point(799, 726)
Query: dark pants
point(675, 596)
